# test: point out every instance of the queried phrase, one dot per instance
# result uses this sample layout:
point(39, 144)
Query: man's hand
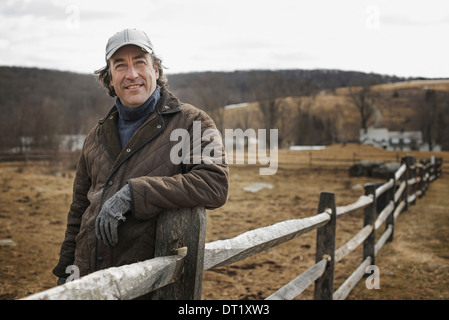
point(61, 281)
point(111, 214)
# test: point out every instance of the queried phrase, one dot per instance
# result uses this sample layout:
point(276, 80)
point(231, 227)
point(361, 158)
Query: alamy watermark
point(207, 147)
point(373, 280)
point(73, 271)
point(372, 21)
point(72, 21)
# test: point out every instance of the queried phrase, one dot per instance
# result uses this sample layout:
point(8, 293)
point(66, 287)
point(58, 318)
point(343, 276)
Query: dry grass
point(34, 200)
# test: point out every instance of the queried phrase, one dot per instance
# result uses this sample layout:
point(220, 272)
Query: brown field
point(34, 200)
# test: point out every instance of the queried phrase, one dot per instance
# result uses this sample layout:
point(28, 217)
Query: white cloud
point(391, 37)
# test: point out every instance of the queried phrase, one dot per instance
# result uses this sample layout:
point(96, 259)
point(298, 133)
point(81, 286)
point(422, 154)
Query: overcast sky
point(396, 37)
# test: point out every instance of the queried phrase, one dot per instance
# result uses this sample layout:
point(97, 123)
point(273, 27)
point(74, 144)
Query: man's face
point(133, 75)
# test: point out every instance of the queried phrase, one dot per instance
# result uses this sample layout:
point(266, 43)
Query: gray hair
point(103, 75)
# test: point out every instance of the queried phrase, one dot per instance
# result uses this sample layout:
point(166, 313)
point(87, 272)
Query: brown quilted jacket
point(156, 183)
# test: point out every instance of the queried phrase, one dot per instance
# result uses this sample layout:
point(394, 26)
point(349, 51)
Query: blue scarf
point(131, 119)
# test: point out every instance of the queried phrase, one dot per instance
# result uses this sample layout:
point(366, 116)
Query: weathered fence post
point(176, 229)
point(405, 177)
point(413, 176)
point(427, 173)
point(390, 198)
point(325, 247)
point(368, 219)
point(439, 167)
point(421, 173)
point(431, 168)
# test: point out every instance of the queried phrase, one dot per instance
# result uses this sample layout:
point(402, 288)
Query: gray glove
point(61, 281)
point(111, 215)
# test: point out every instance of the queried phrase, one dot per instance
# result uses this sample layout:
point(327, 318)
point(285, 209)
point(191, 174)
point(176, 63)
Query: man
point(125, 176)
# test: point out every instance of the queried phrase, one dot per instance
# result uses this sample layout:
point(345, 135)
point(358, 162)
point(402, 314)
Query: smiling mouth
point(134, 86)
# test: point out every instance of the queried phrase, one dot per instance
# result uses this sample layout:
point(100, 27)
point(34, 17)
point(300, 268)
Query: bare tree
point(267, 91)
point(432, 117)
point(312, 129)
point(47, 123)
point(362, 98)
point(16, 124)
point(442, 124)
point(213, 97)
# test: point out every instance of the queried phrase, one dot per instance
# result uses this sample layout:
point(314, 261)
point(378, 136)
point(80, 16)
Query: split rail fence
point(182, 254)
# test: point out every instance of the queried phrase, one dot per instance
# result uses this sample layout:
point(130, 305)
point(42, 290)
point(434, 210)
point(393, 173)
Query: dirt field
point(34, 200)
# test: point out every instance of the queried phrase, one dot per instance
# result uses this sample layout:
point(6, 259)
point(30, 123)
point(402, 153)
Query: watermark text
point(207, 147)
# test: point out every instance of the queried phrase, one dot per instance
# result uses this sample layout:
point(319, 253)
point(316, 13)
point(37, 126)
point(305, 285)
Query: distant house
point(70, 142)
point(394, 140)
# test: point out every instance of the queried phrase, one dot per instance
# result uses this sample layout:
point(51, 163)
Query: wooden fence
point(182, 254)
point(40, 155)
point(315, 158)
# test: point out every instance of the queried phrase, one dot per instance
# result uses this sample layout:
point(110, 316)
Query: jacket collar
point(168, 103)
point(108, 131)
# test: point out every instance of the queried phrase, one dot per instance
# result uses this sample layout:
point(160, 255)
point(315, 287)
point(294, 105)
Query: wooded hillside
point(43, 104)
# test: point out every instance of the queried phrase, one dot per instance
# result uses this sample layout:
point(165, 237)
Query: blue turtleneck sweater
point(131, 119)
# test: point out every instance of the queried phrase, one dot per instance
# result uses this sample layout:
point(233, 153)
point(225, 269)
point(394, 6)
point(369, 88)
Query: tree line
point(45, 104)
